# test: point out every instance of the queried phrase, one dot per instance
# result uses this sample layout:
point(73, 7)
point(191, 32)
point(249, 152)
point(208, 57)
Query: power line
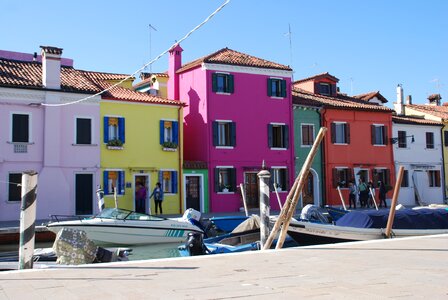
point(148, 63)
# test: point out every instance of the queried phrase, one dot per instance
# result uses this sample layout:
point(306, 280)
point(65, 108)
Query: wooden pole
point(293, 196)
point(373, 198)
point(278, 198)
point(342, 198)
point(115, 197)
point(390, 220)
point(243, 193)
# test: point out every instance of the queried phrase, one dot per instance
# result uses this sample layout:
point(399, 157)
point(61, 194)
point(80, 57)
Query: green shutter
point(269, 87)
point(214, 82)
point(270, 138)
point(215, 133)
point(233, 134)
point(283, 84)
point(231, 84)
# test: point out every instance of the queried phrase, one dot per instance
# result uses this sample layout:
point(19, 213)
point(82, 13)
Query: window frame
point(280, 173)
point(402, 142)
point(121, 129)
point(11, 132)
point(434, 178)
point(280, 88)
point(169, 187)
point(385, 177)
point(346, 132)
point(169, 136)
point(231, 180)
point(322, 84)
point(429, 139)
point(229, 135)
point(273, 140)
point(12, 186)
point(228, 87)
point(405, 180)
point(343, 184)
point(313, 135)
point(76, 130)
point(120, 182)
point(379, 134)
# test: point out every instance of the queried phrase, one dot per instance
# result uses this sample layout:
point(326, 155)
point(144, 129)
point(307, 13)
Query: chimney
point(51, 67)
point(408, 100)
point(434, 99)
point(175, 62)
point(399, 105)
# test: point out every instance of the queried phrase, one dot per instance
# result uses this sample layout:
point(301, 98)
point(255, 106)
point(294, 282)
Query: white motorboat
point(115, 226)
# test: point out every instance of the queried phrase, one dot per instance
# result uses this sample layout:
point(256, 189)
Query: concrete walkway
point(414, 268)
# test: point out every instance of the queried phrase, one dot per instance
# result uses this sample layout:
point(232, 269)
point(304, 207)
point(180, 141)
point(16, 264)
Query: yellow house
point(141, 143)
point(153, 83)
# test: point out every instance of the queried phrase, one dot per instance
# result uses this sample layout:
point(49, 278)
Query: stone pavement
point(414, 268)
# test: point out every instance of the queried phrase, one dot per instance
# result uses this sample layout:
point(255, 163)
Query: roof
point(24, 74)
point(228, 56)
point(434, 110)
point(318, 76)
point(416, 120)
point(371, 95)
point(301, 97)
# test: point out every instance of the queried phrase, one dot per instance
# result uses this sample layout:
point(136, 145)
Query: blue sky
point(369, 45)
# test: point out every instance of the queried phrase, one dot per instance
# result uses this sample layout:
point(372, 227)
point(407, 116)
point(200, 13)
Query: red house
point(357, 144)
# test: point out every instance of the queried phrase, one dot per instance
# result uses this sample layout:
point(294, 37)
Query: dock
point(393, 268)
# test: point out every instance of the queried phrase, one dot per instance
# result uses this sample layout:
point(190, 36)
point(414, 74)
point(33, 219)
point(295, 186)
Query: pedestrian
point(382, 193)
point(363, 192)
point(157, 193)
point(371, 193)
point(140, 198)
point(353, 191)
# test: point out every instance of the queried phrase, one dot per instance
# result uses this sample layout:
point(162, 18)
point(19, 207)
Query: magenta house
point(238, 115)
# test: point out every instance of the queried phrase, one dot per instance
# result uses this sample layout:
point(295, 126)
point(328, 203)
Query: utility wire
point(147, 64)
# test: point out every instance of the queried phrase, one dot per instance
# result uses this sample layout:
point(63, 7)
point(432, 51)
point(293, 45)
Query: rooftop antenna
point(351, 86)
point(150, 45)
point(289, 35)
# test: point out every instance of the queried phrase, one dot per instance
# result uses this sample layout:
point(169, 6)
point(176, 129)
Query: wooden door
point(193, 189)
point(308, 190)
point(84, 194)
point(252, 190)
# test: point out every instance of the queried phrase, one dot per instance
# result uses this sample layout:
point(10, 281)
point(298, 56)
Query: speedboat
point(116, 226)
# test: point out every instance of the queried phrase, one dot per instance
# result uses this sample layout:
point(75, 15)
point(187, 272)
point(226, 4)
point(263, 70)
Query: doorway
point(193, 192)
point(252, 190)
point(142, 179)
point(361, 173)
point(308, 190)
point(84, 194)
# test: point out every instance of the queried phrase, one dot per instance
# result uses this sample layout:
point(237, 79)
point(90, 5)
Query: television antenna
point(289, 35)
point(151, 28)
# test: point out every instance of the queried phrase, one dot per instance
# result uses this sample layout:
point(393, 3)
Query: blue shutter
point(162, 132)
point(106, 129)
point(106, 182)
point(161, 180)
point(121, 129)
point(176, 132)
point(270, 142)
point(231, 84)
point(233, 134)
point(286, 135)
point(283, 84)
point(174, 182)
point(120, 187)
point(269, 87)
point(215, 133)
point(214, 82)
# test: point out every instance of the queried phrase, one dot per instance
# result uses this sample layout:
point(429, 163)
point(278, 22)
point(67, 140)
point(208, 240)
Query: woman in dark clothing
point(158, 196)
point(382, 193)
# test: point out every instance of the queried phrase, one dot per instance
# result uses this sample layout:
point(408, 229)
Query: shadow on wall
point(194, 129)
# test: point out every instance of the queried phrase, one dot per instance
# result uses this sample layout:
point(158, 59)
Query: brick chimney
point(51, 67)
point(434, 99)
point(174, 64)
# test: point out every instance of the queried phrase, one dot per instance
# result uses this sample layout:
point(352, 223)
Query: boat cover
point(404, 219)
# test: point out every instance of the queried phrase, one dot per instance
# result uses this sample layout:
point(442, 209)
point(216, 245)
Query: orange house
point(358, 141)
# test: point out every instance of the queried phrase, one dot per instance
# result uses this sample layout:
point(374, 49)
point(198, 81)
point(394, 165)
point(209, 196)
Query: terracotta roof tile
point(228, 56)
point(414, 120)
point(434, 110)
point(301, 97)
point(326, 74)
point(370, 95)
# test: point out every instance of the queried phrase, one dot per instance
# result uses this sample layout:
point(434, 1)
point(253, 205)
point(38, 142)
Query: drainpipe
point(442, 137)
point(323, 112)
point(180, 146)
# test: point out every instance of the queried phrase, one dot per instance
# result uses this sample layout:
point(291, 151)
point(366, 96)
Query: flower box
point(115, 147)
point(169, 149)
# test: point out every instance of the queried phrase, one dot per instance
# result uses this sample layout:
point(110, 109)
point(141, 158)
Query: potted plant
point(169, 146)
point(115, 144)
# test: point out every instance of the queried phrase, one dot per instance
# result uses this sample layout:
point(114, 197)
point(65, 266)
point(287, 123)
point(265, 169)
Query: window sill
point(223, 93)
point(225, 193)
point(169, 149)
point(340, 144)
point(283, 149)
point(277, 97)
point(306, 146)
point(115, 147)
point(85, 145)
point(20, 143)
point(379, 145)
point(224, 147)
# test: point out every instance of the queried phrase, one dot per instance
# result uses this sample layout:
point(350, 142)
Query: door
point(308, 190)
point(84, 194)
point(142, 182)
point(193, 192)
point(252, 190)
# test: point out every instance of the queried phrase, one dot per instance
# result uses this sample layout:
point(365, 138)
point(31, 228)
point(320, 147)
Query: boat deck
point(394, 268)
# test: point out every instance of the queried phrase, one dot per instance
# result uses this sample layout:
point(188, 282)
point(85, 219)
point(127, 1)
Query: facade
point(418, 148)
point(238, 114)
point(357, 144)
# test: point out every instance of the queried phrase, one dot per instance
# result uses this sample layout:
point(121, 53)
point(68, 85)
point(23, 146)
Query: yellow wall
point(142, 152)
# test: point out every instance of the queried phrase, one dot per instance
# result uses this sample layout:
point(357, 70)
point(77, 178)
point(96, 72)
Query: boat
point(370, 225)
point(116, 226)
point(227, 223)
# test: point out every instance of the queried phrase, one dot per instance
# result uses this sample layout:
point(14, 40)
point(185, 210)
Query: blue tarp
point(404, 219)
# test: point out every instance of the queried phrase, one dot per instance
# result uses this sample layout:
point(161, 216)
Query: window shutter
point(121, 183)
point(283, 82)
point(445, 137)
point(335, 178)
point(387, 175)
point(215, 133)
point(271, 179)
point(347, 133)
point(161, 180)
point(333, 90)
point(333, 133)
point(121, 131)
point(176, 132)
point(233, 134)
point(373, 136)
point(216, 179)
point(174, 182)
point(162, 132)
point(286, 136)
point(232, 173)
point(270, 141)
point(106, 129)
point(385, 135)
point(269, 87)
point(106, 182)
point(214, 82)
point(286, 179)
point(231, 84)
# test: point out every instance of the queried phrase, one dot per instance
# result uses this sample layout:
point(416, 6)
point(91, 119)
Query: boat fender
point(195, 244)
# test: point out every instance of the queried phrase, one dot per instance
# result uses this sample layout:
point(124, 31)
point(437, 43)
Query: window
point(278, 136)
point(402, 142)
point(279, 178)
point(111, 180)
point(381, 175)
point(434, 178)
point(20, 128)
point(224, 133)
point(379, 135)
point(445, 138)
point(222, 83)
point(83, 131)
point(340, 133)
point(169, 132)
point(168, 179)
point(341, 177)
point(324, 89)
point(114, 129)
point(225, 179)
point(430, 140)
point(307, 135)
point(276, 87)
point(405, 180)
point(14, 188)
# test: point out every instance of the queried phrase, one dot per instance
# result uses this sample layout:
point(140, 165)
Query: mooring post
point(27, 219)
point(100, 196)
point(264, 177)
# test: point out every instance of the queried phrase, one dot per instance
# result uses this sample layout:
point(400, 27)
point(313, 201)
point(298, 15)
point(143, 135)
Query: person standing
point(370, 199)
point(157, 193)
point(363, 192)
point(382, 193)
point(140, 198)
point(353, 191)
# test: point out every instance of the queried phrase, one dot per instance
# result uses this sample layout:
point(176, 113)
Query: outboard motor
point(195, 244)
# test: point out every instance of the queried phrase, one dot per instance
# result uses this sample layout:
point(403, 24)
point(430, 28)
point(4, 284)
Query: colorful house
point(357, 144)
point(436, 112)
point(239, 114)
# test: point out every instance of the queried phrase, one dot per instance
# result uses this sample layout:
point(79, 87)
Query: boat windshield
point(123, 214)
